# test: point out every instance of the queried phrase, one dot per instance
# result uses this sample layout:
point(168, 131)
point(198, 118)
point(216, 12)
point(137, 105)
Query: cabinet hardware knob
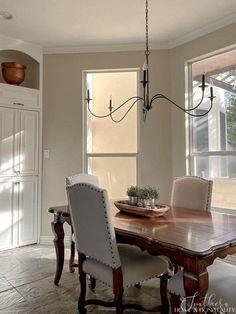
point(18, 103)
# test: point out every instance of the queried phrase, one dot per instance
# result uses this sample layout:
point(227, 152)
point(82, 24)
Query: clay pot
point(13, 73)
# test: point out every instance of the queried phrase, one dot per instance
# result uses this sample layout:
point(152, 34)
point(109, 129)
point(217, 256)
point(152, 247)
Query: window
point(212, 142)
point(111, 149)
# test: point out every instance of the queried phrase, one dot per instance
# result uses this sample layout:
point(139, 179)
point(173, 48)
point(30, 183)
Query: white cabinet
point(7, 203)
point(27, 213)
point(15, 96)
point(19, 175)
point(28, 142)
point(7, 141)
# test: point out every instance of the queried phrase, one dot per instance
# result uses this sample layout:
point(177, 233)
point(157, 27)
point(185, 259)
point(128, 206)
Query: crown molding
point(13, 42)
point(104, 48)
point(140, 47)
point(203, 31)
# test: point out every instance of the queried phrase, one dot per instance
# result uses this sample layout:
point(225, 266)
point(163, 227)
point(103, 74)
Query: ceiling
point(96, 23)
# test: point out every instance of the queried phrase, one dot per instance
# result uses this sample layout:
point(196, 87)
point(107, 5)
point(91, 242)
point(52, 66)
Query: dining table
point(192, 239)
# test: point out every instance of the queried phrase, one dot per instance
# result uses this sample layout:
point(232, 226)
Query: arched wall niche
point(32, 72)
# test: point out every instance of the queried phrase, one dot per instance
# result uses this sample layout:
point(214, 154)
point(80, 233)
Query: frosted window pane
point(215, 166)
point(115, 173)
point(103, 135)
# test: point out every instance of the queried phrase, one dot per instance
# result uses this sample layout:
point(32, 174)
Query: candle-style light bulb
point(211, 93)
point(203, 81)
point(145, 66)
point(110, 104)
point(145, 69)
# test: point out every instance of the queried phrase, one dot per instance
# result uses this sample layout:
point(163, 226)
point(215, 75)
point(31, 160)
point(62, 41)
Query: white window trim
point(84, 125)
point(189, 120)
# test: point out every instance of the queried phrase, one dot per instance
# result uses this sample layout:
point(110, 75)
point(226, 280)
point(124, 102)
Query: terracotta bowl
point(13, 73)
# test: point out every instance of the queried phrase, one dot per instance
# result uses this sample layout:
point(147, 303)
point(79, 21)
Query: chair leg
point(163, 293)
point(175, 303)
point(72, 257)
point(118, 301)
point(82, 279)
point(92, 283)
point(118, 289)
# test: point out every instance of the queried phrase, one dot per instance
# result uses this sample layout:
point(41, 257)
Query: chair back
point(83, 177)
point(192, 192)
point(92, 223)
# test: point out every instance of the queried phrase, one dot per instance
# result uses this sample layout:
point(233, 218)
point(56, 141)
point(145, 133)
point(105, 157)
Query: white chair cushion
point(222, 283)
point(137, 266)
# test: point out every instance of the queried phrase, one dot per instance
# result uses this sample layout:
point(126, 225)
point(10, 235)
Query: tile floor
point(26, 285)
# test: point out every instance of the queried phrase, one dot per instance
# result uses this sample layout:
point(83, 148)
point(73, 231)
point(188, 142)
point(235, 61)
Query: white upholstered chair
point(191, 192)
point(77, 178)
point(83, 177)
point(100, 256)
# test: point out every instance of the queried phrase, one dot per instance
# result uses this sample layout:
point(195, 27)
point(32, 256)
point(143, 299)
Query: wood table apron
point(190, 238)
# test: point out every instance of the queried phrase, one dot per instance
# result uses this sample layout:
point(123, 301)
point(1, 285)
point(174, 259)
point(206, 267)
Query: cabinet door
point(28, 144)
point(7, 141)
point(27, 200)
point(7, 208)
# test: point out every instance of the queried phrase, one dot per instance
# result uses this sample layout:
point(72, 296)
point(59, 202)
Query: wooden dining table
point(190, 238)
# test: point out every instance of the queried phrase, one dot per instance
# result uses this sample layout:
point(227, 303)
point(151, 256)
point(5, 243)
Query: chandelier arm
point(199, 104)
point(158, 96)
point(113, 111)
point(200, 115)
point(117, 121)
point(181, 108)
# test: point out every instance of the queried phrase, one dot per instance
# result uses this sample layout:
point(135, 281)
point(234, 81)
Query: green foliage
point(143, 193)
point(153, 193)
point(149, 193)
point(133, 191)
point(231, 122)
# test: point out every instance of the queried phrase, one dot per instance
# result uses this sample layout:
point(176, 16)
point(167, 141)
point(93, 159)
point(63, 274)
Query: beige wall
point(162, 137)
point(62, 122)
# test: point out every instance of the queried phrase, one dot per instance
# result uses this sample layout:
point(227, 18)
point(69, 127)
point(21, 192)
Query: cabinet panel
point(6, 213)
point(7, 140)
point(16, 96)
point(27, 201)
point(28, 146)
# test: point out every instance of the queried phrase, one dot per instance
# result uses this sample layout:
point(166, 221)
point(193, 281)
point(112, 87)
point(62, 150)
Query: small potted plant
point(144, 200)
point(133, 192)
point(148, 197)
point(153, 195)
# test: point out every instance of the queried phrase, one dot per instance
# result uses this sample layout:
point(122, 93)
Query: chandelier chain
point(147, 52)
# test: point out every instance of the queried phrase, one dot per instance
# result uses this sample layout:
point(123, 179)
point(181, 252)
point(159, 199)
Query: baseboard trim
point(48, 240)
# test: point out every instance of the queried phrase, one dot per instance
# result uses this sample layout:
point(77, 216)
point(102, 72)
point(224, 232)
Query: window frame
point(85, 113)
point(190, 154)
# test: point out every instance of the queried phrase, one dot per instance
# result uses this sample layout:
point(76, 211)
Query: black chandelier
point(145, 99)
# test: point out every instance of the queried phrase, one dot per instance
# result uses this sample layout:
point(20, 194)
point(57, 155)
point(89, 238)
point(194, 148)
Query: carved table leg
point(195, 286)
point(57, 228)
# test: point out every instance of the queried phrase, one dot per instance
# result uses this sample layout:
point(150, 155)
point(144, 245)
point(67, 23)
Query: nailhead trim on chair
point(94, 188)
point(209, 194)
point(208, 201)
